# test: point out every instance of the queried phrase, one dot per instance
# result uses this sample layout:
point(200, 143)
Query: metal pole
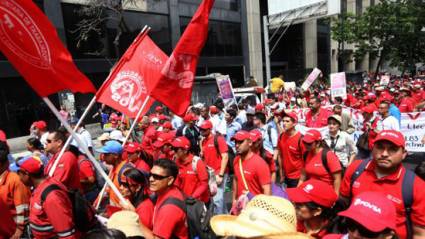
point(133, 125)
point(68, 141)
point(266, 47)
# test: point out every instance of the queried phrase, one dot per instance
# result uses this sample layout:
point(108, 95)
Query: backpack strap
point(217, 149)
point(176, 202)
point(47, 190)
point(407, 194)
point(359, 170)
point(195, 163)
point(325, 159)
point(269, 133)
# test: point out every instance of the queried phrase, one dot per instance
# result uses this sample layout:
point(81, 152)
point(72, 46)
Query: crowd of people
point(248, 165)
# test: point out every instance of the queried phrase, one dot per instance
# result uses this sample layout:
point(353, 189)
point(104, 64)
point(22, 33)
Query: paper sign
point(385, 80)
point(310, 79)
point(338, 85)
point(290, 86)
point(225, 87)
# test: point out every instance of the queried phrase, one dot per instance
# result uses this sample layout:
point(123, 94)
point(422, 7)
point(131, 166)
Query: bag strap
point(46, 192)
point(407, 194)
point(269, 133)
point(359, 170)
point(195, 163)
point(176, 202)
point(243, 175)
point(325, 159)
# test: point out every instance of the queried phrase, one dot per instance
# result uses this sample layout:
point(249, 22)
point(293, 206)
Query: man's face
point(243, 146)
point(52, 145)
point(205, 132)
point(257, 122)
point(25, 178)
point(204, 112)
point(387, 155)
point(159, 179)
point(166, 148)
point(288, 124)
point(132, 157)
point(110, 158)
point(249, 117)
point(228, 118)
point(337, 111)
point(179, 153)
point(383, 109)
point(314, 104)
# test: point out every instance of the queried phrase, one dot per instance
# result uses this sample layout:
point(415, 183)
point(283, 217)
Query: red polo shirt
point(314, 168)
point(169, 220)
point(209, 151)
point(54, 217)
point(407, 104)
point(193, 183)
point(86, 170)
point(319, 120)
point(145, 212)
point(391, 186)
point(256, 173)
point(291, 152)
point(67, 170)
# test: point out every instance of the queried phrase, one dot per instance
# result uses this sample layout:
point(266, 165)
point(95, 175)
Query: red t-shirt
point(145, 211)
point(86, 168)
point(193, 183)
point(418, 96)
point(391, 186)
point(318, 120)
point(314, 168)
point(169, 220)
point(291, 152)
point(210, 152)
point(407, 104)
point(256, 173)
point(67, 170)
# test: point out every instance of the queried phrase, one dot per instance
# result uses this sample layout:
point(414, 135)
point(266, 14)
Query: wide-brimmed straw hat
point(263, 216)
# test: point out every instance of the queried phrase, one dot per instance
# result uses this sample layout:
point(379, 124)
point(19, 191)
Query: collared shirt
point(390, 185)
point(219, 123)
point(394, 111)
point(342, 145)
point(67, 170)
point(320, 119)
point(241, 118)
point(269, 139)
point(388, 123)
point(232, 128)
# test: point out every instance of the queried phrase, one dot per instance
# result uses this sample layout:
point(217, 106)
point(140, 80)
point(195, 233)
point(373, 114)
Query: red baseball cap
point(158, 108)
point(315, 191)
point(3, 136)
point(162, 117)
point(132, 147)
point(259, 107)
point(213, 109)
point(241, 135)
point(32, 165)
point(291, 115)
point(181, 142)
point(393, 136)
point(373, 210)
point(167, 125)
point(206, 125)
point(368, 109)
point(162, 139)
point(40, 124)
point(255, 135)
point(190, 117)
point(311, 136)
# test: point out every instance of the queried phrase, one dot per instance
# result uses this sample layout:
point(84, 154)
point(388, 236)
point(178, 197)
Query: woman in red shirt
point(328, 169)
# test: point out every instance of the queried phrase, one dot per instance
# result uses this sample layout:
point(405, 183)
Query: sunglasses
point(157, 176)
point(49, 141)
point(364, 232)
point(239, 141)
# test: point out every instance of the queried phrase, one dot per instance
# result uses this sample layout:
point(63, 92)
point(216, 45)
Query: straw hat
point(104, 136)
point(263, 216)
point(127, 222)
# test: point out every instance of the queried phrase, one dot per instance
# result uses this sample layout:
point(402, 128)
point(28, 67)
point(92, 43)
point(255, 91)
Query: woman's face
point(304, 213)
point(333, 125)
point(128, 190)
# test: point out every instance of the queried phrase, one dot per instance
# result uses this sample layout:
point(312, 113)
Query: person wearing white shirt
point(387, 121)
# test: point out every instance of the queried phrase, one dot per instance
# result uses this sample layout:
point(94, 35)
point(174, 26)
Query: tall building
point(233, 47)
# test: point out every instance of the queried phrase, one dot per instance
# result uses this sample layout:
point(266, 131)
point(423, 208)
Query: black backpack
point(406, 192)
point(198, 216)
point(83, 212)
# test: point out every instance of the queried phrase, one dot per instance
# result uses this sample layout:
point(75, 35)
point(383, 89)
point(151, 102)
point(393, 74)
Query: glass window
point(224, 38)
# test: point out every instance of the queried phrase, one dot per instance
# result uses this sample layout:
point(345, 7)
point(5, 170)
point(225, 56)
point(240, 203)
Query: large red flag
point(174, 89)
point(31, 44)
point(131, 81)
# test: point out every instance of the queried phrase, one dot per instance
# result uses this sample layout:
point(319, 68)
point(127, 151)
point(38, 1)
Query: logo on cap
point(389, 134)
point(368, 205)
point(308, 188)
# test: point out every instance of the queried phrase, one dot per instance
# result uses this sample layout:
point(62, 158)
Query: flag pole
point(133, 125)
point(68, 141)
point(86, 150)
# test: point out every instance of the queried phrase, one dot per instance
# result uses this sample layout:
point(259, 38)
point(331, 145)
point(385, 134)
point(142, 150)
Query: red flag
point(174, 89)
point(132, 79)
point(31, 44)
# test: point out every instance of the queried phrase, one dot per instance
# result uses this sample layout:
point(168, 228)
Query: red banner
point(30, 43)
point(179, 71)
point(131, 81)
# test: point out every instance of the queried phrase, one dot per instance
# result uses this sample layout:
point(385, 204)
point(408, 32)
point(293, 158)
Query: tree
point(343, 32)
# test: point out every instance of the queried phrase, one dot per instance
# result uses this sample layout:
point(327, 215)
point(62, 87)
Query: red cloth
point(30, 43)
point(67, 170)
point(314, 168)
point(7, 226)
point(407, 104)
point(193, 183)
point(149, 136)
point(86, 171)
point(256, 173)
point(145, 211)
point(320, 119)
point(179, 71)
point(128, 86)
point(55, 212)
point(318, 235)
point(291, 152)
point(209, 152)
point(169, 220)
point(391, 186)
point(142, 165)
point(418, 96)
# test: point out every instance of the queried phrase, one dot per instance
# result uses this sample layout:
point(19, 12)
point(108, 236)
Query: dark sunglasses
point(364, 232)
point(157, 176)
point(49, 141)
point(239, 141)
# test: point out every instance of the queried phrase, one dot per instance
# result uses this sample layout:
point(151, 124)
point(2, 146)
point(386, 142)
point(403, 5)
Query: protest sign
point(310, 79)
point(225, 87)
point(338, 85)
point(385, 80)
point(290, 86)
point(413, 129)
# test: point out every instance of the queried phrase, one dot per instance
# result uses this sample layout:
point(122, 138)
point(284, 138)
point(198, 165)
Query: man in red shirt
point(133, 152)
point(253, 175)
point(163, 146)
point(257, 148)
point(385, 173)
point(407, 103)
point(193, 175)
point(214, 152)
point(67, 170)
point(291, 152)
point(169, 220)
point(53, 217)
point(149, 134)
point(317, 117)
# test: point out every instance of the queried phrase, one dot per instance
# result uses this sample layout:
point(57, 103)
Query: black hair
point(338, 99)
point(315, 98)
point(140, 178)
point(105, 233)
point(60, 135)
point(327, 212)
point(261, 116)
point(232, 113)
point(35, 143)
point(337, 107)
point(169, 165)
point(420, 170)
point(4, 152)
